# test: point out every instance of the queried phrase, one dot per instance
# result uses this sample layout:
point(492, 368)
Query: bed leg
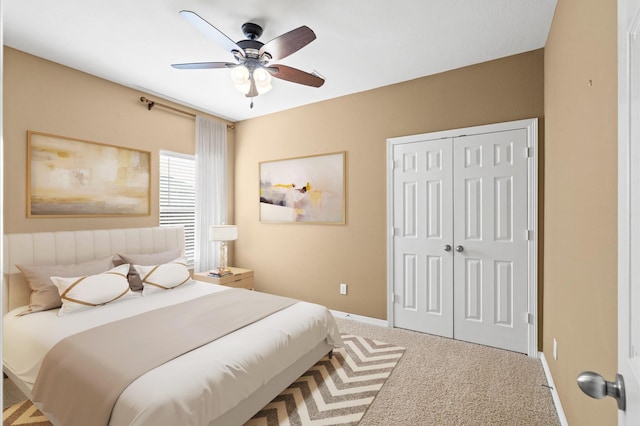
point(330, 354)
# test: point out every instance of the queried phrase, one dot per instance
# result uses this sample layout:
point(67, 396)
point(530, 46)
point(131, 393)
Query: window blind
point(178, 196)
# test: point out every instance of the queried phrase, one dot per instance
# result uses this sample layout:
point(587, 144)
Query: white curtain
point(211, 188)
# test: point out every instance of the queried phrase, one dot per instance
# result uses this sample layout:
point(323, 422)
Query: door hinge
point(530, 318)
point(529, 235)
point(393, 231)
point(529, 151)
point(393, 298)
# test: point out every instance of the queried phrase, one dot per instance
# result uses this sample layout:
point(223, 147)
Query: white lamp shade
point(223, 233)
point(244, 87)
point(263, 80)
point(240, 75)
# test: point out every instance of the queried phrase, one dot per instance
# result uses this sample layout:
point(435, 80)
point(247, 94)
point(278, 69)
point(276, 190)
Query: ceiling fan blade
point(295, 75)
point(211, 32)
point(203, 65)
point(288, 43)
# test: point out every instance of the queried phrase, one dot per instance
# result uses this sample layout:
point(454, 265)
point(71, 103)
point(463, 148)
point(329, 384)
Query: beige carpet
point(440, 381)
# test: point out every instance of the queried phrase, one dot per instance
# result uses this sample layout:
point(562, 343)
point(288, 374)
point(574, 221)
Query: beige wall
point(309, 261)
point(580, 304)
point(44, 96)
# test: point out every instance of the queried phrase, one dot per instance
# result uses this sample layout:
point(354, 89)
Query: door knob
point(447, 247)
point(459, 249)
point(597, 387)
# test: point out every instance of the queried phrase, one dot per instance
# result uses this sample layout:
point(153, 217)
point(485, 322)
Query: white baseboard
point(360, 318)
point(554, 392)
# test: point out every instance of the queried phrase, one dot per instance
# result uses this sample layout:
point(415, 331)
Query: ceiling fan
point(252, 72)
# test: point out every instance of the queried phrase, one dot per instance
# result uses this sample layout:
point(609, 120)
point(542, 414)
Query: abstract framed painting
point(69, 177)
point(307, 189)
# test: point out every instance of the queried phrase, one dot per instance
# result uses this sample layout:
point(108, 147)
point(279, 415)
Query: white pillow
point(80, 293)
point(163, 277)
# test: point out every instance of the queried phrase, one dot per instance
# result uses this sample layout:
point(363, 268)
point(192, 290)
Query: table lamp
point(223, 233)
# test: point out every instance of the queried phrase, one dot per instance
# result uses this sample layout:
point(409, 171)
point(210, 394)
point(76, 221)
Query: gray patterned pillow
point(44, 294)
point(146, 260)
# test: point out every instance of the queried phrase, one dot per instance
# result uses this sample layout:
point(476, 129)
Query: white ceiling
point(360, 44)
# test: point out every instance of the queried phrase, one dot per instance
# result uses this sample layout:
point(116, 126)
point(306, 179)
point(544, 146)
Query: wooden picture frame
point(308, 189)
point(68, 177)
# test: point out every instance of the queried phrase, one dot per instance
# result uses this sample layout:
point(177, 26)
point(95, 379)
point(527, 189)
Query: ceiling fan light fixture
point(243, 88)
point(253, 72)
point(262, 79)
point(240, 75)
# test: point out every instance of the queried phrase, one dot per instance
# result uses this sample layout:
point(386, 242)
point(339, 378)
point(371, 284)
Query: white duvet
point(192, 389)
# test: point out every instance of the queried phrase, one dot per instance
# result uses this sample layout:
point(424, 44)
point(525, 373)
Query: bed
point(224, 382)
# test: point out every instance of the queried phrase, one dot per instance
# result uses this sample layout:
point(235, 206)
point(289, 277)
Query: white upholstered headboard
point(67, 247)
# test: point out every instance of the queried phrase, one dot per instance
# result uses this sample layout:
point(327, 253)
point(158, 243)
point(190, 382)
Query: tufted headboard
point(67, 247)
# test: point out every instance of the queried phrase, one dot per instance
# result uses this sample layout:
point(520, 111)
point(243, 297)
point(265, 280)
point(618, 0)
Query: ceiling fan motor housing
point(251, 31)
point(251, 47)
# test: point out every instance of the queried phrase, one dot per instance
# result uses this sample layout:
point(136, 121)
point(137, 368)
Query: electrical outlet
point(555, 349)
point(343, 288)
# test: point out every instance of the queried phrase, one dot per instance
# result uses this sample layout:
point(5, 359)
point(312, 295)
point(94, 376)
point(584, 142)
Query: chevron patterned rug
point(24, 414)
point(334, 391)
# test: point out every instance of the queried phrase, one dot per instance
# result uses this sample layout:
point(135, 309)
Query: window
point(178, 196)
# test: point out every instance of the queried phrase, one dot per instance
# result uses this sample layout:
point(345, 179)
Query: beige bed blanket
point(83, 375)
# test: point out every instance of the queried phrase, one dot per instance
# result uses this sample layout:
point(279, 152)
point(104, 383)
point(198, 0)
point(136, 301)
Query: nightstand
point(239, 278)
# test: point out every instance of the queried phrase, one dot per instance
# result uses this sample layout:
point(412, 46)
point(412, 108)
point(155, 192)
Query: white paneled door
point(460, 237)
point(490, 239)
point(629, 210)
point(423, 208)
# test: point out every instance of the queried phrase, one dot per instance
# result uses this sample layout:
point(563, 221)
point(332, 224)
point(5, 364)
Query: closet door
point(490, 231)
point(423, 226)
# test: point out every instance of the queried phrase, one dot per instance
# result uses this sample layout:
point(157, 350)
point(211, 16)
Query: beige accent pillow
point(81, 293)
point(44, 294)
point(163, 277)
point(146, 260)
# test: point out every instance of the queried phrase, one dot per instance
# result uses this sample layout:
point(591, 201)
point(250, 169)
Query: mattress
point(195, 388)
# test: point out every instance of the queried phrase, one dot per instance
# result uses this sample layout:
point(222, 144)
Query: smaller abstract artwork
point(72, 177)
point(303, 190)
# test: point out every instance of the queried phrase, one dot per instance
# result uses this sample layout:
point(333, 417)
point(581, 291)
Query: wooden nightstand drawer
point(239, 278)
point(246, 282)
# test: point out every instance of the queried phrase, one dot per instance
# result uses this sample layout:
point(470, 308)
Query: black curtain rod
point(151, 104)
